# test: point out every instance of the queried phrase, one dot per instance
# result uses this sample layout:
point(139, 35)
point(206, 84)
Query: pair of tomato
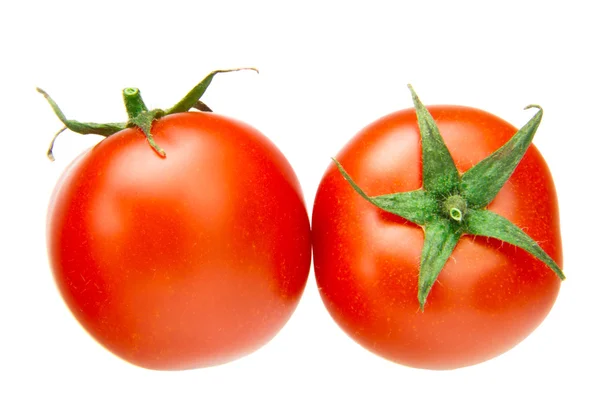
point(201, 256)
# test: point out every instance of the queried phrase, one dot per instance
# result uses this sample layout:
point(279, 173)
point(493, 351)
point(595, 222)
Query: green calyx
point(450, 205)
point(139, 115)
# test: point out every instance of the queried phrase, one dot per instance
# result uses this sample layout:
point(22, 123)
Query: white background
point(326, 70)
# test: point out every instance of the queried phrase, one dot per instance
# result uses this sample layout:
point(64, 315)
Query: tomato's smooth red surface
point(488, 297)
point(187, 261)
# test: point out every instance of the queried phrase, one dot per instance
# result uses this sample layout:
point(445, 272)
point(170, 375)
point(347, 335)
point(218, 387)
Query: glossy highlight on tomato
point(183, 261)
point(488, 297)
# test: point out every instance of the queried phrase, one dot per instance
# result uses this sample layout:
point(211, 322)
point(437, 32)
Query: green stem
point(133, 102)
point(455, 207)
point(140, 116)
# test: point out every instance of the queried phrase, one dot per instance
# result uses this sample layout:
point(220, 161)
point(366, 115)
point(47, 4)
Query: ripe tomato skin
point(488, 297)
point(186, 261)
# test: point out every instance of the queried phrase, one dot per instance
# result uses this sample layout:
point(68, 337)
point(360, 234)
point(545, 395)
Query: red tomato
point(185, 261)
point(489, 296)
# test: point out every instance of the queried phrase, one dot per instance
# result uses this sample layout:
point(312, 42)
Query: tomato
point(183, 261)
point(489, 295)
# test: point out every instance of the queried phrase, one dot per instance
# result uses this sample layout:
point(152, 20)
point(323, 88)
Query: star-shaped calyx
point(450, 205)
point(138, 113)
